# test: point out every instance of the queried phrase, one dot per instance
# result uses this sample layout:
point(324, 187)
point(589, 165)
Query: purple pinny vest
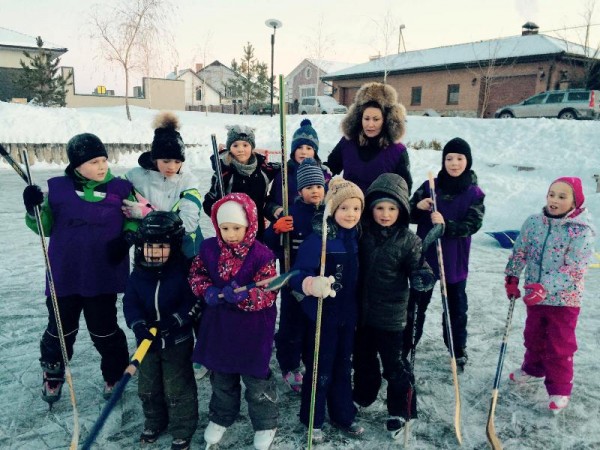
point(231, 340)
point(80, 233)
point(364, 173)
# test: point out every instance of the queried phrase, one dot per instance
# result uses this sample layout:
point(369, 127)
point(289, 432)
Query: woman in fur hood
point(371, 144)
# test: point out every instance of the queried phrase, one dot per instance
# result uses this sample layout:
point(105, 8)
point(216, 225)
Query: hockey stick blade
point(13, 164)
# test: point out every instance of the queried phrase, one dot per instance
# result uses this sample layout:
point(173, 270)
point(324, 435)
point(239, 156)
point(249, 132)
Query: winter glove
point(536, 293)
point(422, 280)
point(141, 331)
point(32, 197)
point(196, 311)
point(511, 284)
point(171, 323)
point(211, 296)
point(136, 210)
point(284, 224)
point(118, 248)
point(318, 286)
point(234, 297)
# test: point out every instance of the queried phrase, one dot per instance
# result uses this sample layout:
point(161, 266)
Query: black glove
point(172, 323)
point(140, 329)
point(32, 197)
point(422, 280)
point(118, 248)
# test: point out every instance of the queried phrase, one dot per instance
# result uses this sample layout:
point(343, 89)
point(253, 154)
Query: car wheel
point(506, 115)
point(303, 113)
point(324, 112)
point(568, 115)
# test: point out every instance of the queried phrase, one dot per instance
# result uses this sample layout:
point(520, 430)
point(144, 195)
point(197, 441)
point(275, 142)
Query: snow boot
point(54, 378)
point(294, 380)
point(354, 429)
point(213, 433)
point(264, 438)
point(317, 436)
point(181, 444)
point(558, 402)
point(461, 359)
point(150, 436)
point(395, 426)
point(519, 376)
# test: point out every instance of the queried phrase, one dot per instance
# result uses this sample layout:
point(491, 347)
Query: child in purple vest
point(460, 211)
point(554, 248)
point(235, 335)
point(88, 251)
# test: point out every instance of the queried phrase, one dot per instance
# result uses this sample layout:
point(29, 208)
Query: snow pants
point(261, 395)
point(100, 314)
point(289, 336)
point(370, 342)
point(334, 377)
point(167, 389)
point(550, 344)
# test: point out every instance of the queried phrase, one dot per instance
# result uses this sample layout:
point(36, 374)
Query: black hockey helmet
point(162, 227)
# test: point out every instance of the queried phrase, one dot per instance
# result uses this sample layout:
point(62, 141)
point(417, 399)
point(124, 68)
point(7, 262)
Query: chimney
point(199, 67)
point(175, 71)
point(529, 28)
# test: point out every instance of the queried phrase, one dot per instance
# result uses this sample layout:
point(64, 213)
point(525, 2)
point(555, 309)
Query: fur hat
point(458, 145)
point(83, 147)
point(384, 97)
point(309, 174)
point(167, 142)
point(576, 186)
point(240, 133)
point(341, 190)
point(232, 212)
point(305, 135)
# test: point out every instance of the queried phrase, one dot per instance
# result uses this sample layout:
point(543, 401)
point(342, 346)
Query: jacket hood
point(391, 185)
point(251, 214)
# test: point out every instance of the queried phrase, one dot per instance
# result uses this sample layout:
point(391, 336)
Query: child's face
point(348, 213)
point(303, 152)
point(386, 213)
point(168, 167)
point(156, 252)
point(313, 195)
point(232, 233)
point(559, 199)
point(94, 169)
point(372, 121)
point(455, 164)
point(241, 151)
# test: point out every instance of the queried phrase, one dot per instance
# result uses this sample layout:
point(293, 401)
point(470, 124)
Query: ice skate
point(213, 434)
point(264, 438)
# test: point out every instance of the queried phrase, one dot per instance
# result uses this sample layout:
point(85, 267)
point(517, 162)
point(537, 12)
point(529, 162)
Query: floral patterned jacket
point(556, 254)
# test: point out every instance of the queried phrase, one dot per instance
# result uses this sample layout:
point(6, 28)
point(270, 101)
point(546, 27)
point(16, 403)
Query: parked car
point(257, 108)
point(322, 104)
point(565, 104)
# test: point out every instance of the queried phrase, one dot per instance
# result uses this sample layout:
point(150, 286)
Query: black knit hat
point(458, 145)
point(167, 142)
point(305, 135)
point(239, 133)
point(309, 174)
point(83, 147)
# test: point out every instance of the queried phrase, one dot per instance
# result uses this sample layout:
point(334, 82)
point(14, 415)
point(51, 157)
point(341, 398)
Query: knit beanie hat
point(576, 186)
point(458, 145)
point(341, 190)
point(378, 197)
point(309, 174)
point(83, 147)
point(305, 135)
point(232, 212)
point(239, 133)
point(167, 142)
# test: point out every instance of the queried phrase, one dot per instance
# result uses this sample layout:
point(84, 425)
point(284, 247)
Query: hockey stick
point(130, 371)
point(440, 257)
point(313, 392)
point(13, 164)
point(218, 171)
point(490, 429)
point(270, 284)
point(54, 298)
point(284, 174)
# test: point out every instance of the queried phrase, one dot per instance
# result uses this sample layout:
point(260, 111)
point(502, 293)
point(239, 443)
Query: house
point(12, 45)
point(474, 79)
point(198, 92)
point(306, 79)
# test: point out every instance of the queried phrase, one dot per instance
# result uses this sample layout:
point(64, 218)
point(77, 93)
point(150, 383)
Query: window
point(535, 100)
point(415, 96)
point(307, 73)
point(555, 98)
point(579, 96)
point(308, 91)
point(453, 91)
point(198, 93)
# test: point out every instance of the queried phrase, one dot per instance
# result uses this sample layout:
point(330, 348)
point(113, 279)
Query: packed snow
point(515, 161)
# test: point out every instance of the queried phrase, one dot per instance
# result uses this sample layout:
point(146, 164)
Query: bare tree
point(318, 44)
point(128, 31)
point(385, 29)
point(204, 54)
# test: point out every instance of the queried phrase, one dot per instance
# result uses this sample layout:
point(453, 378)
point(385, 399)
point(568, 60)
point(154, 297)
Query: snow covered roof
point(330, 66)
point(10, 38)
point(493, 49)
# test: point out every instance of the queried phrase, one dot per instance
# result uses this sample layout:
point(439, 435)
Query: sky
point(515, 161)
point(345, 31)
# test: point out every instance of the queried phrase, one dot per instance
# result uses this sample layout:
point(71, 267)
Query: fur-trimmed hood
point(384, 96)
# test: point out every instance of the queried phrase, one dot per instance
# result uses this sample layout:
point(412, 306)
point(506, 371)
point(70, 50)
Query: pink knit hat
point(576, 186)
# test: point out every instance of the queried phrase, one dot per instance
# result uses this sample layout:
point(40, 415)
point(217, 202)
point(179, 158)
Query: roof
point(330, 66)
point(465, 54)
point(10, 38)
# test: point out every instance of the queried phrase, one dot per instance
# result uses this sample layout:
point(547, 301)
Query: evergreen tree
point(252, 83)
point(40, 78)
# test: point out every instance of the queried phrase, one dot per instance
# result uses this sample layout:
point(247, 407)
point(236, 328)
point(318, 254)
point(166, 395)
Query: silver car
point(565, 104)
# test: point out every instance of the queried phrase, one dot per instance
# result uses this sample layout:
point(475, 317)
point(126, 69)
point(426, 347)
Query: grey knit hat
point(240, 133)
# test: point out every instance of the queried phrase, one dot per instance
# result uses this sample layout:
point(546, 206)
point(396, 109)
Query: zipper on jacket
point(544, 250)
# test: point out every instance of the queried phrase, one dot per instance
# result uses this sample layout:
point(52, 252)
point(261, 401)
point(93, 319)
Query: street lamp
point(401, 39)
point(272, 23)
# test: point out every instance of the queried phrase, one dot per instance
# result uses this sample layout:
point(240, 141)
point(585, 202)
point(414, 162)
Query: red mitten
point(284, 224)
point(511, 284)
point(536, 293)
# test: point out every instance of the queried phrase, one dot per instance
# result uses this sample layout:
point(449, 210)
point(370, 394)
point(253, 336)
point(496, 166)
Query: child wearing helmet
point(158, 295)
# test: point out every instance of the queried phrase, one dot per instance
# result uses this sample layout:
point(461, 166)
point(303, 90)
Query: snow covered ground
point(515, 161)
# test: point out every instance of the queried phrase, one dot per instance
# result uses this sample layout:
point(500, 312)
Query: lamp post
point(401, 39)
point(272, 23)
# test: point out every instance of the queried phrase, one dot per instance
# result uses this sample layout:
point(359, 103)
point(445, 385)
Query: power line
point(571, 28)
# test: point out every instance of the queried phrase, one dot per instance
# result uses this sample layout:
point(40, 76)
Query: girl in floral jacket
point(554, 248)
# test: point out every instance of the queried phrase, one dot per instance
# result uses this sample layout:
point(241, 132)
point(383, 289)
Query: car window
point(578, 96)
point(308, 101)
point(555, 98)
point(535, 100)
